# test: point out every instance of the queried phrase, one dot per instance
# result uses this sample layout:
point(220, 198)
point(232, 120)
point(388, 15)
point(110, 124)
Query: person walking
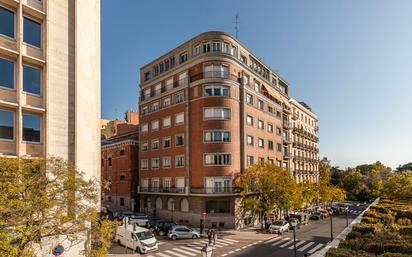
point(214, 235)
point(209, 235)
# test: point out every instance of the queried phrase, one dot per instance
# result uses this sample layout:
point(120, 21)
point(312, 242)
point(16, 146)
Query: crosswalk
point(301, 245)
point(192, 249)
point(354, 211)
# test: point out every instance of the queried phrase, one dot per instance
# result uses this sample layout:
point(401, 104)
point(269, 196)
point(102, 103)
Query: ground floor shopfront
point(215, 211)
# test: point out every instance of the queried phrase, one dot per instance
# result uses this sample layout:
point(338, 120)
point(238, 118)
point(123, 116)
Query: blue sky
point(350, 60)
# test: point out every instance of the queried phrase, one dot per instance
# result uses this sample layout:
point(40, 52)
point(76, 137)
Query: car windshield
point(144, 235)
point(278, 223)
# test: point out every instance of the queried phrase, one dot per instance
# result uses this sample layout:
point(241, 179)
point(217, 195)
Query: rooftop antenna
point(237, 23)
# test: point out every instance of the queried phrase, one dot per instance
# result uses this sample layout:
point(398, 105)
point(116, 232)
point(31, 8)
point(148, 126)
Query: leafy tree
point(267, 186)
point(327, 192)
point(405, 167)
point(309, 192)
point(43, 198)
point(399, 185)
point(336, 176)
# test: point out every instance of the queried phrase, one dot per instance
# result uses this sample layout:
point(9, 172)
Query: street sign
point(58, 250)
point(204, 214)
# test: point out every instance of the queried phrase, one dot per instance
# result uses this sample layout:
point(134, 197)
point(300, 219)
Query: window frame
point(14, 74)
point(35, 20)
point(14, 126)
point(222, 131)
point(41, 129)
point(14, 23)
point(176, 162)
point(215, 154)
point(217, 118)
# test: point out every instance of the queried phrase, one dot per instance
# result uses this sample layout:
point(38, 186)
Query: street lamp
point(173, 207)
point(347, 221)
point(294, 239)
point(331, 228)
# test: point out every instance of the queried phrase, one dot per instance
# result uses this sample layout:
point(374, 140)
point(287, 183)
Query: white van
point(141, 239)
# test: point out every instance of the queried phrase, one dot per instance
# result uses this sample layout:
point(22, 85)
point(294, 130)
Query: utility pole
point(331, 228)
point(237, 24)
point(294, 239)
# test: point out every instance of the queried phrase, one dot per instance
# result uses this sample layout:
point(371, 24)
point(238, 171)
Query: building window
point(226, 47)
point(250, 160)
point(7, 22)
point(155, 144)
point(180, 98)
point(147, 76)
point(122, 152)
point(155, 163)
point(216, 71)
point(196, 50)
point(31, 128)
point(216, 46)
point(249, 120)
point(179, 118)
point(167, 102)
point(6, 125)
point(270, 145)
point(121, 201)
point(144, 164)
point(7, 73)
point(270, 109)
point(270, 128)
point(122, 178)
point(261, 124)
point(144, 128)
point(155, 125)
point(217, 159)
point(249, 99)
point(206, 47)
point(145, 146)
point(216, 113)
point(110, 161)
point(278, 131)
point(261, 143)
point(261, 105)
point(217, 206)
point(279, 147)
point(167, 162)
point(172, 62)
point(217, 136)
point(167, 142)
point(32, 32)
point(216, 91)
point(180, 161)
point(183, 57)
point(180, 140)
point(249, 140)
point(166, 122)
point(243, 59)
point(154, 107)
point(184, 205)
point(145, 110)
point(261, 160)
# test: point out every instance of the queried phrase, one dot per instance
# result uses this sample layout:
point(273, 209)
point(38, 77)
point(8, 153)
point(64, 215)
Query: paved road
point(309, 239)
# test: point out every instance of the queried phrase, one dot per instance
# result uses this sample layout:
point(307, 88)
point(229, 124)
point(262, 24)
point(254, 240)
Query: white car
point(279, 226)
point(140, 220)
point(182, 232)
point(140, 239)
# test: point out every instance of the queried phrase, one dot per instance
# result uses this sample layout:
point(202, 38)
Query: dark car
point(301, 216)
point(161, 226)
point(317, 216)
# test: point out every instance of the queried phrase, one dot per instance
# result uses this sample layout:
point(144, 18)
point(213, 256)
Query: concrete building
point(305, 150)
point(111, 128)
point(120, 168)
point(209, 109)
point(50, 81)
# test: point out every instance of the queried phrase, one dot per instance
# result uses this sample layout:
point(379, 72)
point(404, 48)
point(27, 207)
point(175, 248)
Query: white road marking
point(231, 240)
point(223, 255)
point(315, 248)
point(297, 244)
point(272, 240)
point(184, 251)
point(237, 250)
point(285, 244)
point(175, 254)
point(280, 241)
point(226, 241)
point(160, 243)
point(243, 247)
point(190, 249)
point(305, 246)
point(231, 252)
point(162, 255)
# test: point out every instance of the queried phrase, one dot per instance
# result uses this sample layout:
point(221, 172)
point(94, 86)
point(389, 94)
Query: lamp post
point(294, 239)
point(331, 228)
point(346, 211)
point(173, 207)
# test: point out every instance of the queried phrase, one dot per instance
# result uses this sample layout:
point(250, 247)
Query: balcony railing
point(214, 74)
point(286, 124)
point(164, 88)
point(287, 140)
point(287, 109)
point(295, 116)
point(179, 190)
point(215, 190)
point(286, 156)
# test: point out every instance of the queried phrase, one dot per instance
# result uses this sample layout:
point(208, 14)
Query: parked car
point(279, 227)
point(161, 226)
point(316, 216)
point(141, 239)
point(294, 223)
point(325, 213)
point(301, 216)
point(127, 214)
point(140, 219)
point(178, 232)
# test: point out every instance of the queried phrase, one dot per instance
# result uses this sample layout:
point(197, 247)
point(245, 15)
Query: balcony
point(287, 109)
point(295, 116)
point(174, 190)
point(165, 88)
point(214, 74)
point(286, 156)
point(215, 190)
point(286, 124)
point(287, 140)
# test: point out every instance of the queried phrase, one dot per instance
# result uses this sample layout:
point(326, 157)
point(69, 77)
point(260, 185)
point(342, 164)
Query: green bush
point(404, 222)
point(395, 255)
point(367, 228)
point(407, 230)
point(370, 220)
point(344, 252)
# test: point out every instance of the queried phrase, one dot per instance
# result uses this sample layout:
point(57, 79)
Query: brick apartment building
point(209, 109)
point(120, 168)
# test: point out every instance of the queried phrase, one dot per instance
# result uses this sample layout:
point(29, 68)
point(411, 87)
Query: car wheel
point(161, 233)
point(138, 250)
point(119, 242)
point(174, 237)
point(194, 237)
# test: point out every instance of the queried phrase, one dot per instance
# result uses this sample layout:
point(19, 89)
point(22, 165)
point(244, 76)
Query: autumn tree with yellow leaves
point(42, 198)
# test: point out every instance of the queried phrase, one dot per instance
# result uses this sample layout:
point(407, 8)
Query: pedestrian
point(214, 234)
point(209, 236)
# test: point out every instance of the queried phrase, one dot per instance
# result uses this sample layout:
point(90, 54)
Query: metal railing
point(162, 189)
point(214, 74)
point(164, 88)
point(215, 190)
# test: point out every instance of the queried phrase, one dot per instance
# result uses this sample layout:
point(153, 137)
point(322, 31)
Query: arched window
point(159, 203)
point(171, 204)
point(149, 203)
point(184, 205)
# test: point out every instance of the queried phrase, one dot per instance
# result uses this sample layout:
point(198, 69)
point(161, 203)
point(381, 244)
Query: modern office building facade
point(209, 109)
point(305, 149)
point(50, 81)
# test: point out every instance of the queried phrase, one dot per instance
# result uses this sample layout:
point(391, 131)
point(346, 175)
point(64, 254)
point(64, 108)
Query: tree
point(309, 192)
point(327, 192)
point(405, 167)
point(399, 185)
point(266, 187)
point(42, 198)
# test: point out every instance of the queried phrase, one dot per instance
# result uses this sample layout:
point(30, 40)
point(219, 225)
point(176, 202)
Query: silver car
point(182, 232)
